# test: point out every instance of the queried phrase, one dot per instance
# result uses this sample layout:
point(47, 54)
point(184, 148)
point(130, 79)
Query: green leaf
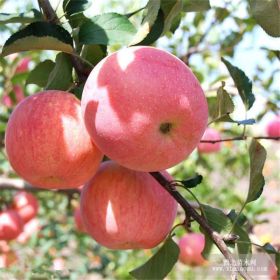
point(152, 10)
point(176, 23)
point(218, 221)
point(78, 91)
point(74, 9)
point(207, 247)
point(28, 17)
point(242, 219)
point(257, 155)
point(224, 104)
point(94, 53)
point(61, 76)
point(107, 29)
point(40, 74)
point(196, 5)
point(39, 36)
point(3, 126)
point(221, 14)
point(267, 15)
point(244, 246)
point(243, 84)
point(156, 30)
point(160, 264)
point(171, 9)
point(192, 182)
point(268, 248)
point(71, 7)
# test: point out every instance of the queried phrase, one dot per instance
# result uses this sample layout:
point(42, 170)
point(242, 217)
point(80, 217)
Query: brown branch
point(240, 138)
point(190, 211)
point(48, 11)
point(21, 185)
point(81, 69)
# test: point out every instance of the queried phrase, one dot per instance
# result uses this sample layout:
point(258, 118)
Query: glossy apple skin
point(11, 225)
point(78, 220)
point(26, 204)
point(47, 143)
point(273, 128)
point(144, 108)
point(126, 209)
point(191, 246)
point(206, 148)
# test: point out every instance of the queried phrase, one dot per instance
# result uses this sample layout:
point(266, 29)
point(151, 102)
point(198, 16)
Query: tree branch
point(190, 211)
point(21, 185)
point(48, 11)
point(81, 69)
point(240, 138)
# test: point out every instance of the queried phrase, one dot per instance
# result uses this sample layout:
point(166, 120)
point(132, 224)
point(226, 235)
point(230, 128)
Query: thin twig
point(240, 138)
point(48, 11)
point(20, 185)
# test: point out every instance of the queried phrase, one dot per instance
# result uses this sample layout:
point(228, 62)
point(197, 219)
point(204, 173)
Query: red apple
point(26, 205)
point(144, 108)
point(273, 128)
point(126, 209)
point(7, 100)
point(31, 227)
point(23, 65)
point(7, 259)
point(210, 134)
point(191, 246)
point(47, 143)
point(11, 225)
point(78, 220)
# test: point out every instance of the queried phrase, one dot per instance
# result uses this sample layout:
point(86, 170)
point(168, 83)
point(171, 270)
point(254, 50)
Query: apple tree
point(134, 144)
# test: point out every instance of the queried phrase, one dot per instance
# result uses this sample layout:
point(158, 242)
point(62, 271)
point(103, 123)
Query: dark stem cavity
point(165, 128)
